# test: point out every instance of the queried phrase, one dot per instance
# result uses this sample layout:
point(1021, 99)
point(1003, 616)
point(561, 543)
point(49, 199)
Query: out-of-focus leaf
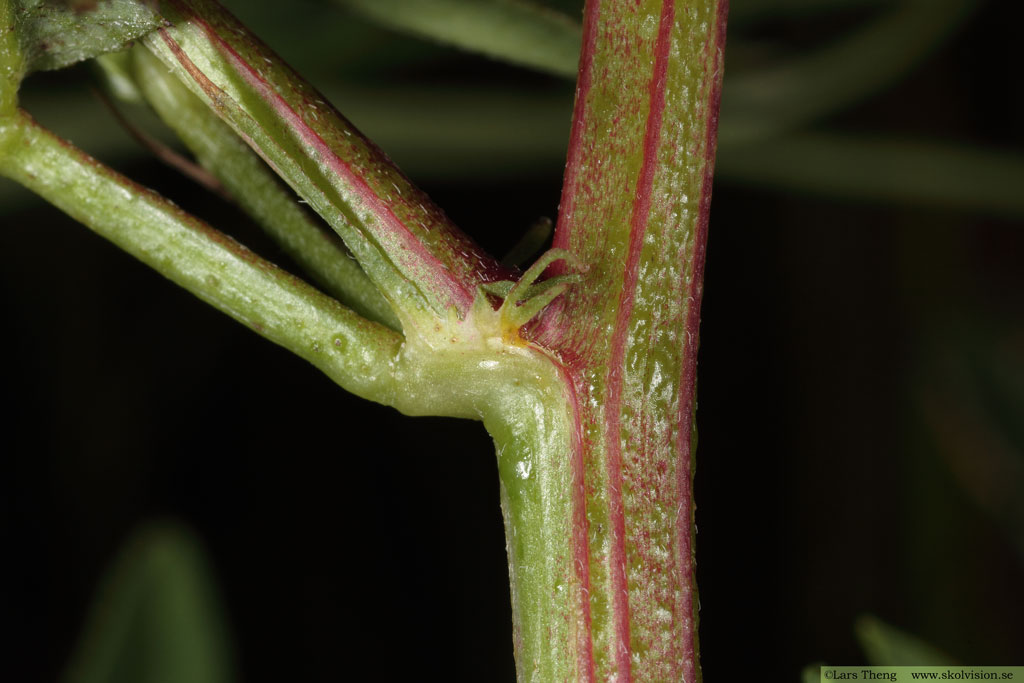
point(973, 402)
point(875, 169)
point(454, 133)
point(1003, 383)
point(79, 115)
point(322, 42)
point(55, 34)
point(811, 674)
point(156, 617)
point(754, 10)
point(115, 72)
point(885, 645)
point(764, 102)
point(515, 31)
point(756, 103)
point(531, 242)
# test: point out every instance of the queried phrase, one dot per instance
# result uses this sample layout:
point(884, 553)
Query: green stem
point(258, 191)
point(12, 63)
point(418, 259)
point(354, 352)
point(535, 436)
point(634, 211)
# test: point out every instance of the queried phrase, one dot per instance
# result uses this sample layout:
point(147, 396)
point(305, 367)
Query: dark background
point(861, 402)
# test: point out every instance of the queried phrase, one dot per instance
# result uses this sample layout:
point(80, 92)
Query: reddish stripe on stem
point(409, 247)
point(695, 291)
point(567, 202)
point(637, 229)
point(552, 324)
point(580, 524)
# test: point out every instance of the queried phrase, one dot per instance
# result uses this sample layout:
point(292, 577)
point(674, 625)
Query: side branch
point(355, 353)
point(417, 258)
point(257, 191)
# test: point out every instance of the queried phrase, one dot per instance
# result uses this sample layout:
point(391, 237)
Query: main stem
point(598, 500)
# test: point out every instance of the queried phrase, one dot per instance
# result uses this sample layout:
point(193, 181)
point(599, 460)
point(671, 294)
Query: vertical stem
point(12, 63)
point(634, 210)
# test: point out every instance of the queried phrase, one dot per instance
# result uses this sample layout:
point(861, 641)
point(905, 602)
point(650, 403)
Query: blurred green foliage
point(156, 617)
point(886, 645)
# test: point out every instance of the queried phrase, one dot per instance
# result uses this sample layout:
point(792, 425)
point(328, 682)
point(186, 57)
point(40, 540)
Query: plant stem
point(634, 210)
point(12, 62)
point(354, 352)
point(418, 259)
point(257, 190)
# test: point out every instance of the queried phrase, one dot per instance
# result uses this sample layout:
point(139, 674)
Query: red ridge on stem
point(409, 245)
point(692, 330)
point(613, 412)
point(580, 526)
point(566, 212)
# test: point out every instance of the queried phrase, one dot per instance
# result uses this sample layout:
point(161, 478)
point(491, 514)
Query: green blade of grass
point(156, 616)
point(866, 168)
point(764, 102)
point(885, 645)
point(514, 31)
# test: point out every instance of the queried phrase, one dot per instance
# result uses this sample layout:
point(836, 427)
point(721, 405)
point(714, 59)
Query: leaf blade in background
point(866, 168)
point(811, 673)
point(972, 401)
point(886, 645)
point(514, 31)
point(756, 104)
point(156, 617)
point(761, 103)
point(755, 10)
